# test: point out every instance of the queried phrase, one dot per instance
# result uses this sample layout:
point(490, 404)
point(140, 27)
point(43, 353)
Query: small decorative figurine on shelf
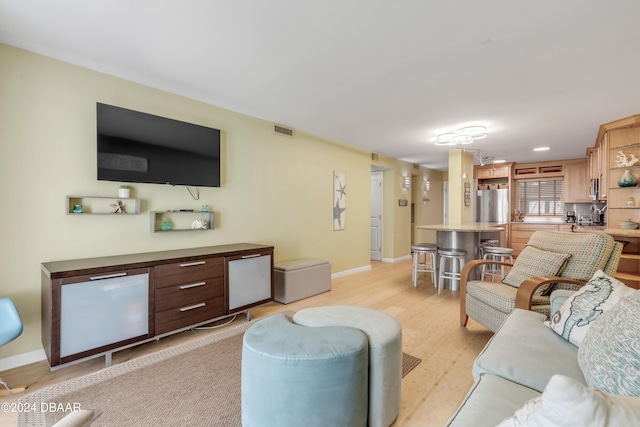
point(78, 209)
point(124, 191)
point(118, 207)
point(166, 224)
point(205, 208)
point(622, 161)
point(199, 224)
point(631, 202)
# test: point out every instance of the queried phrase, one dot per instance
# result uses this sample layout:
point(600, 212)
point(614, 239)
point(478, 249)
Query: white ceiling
point(387, 76)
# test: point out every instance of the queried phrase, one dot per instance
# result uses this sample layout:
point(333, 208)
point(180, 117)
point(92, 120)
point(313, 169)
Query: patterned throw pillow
point(609, 355)
point(535, 262)
point(579, 311)
point(566, 402)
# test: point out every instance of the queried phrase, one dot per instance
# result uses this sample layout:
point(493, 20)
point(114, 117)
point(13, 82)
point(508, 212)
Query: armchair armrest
point(527, 289)
point(464, 278)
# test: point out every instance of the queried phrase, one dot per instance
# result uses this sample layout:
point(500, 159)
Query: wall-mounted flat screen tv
point(139, 147)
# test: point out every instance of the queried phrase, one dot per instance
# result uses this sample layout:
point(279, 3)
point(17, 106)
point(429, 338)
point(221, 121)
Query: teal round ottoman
point(385, 353)
point(298, 376)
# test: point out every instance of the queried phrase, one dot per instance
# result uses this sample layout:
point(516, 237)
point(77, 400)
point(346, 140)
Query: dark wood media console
point(94, 306)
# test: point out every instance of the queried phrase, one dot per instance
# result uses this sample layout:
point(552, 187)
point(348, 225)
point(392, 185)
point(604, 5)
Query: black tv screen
point(140, 147)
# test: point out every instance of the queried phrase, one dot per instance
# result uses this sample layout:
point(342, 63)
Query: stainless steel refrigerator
point(492, 206)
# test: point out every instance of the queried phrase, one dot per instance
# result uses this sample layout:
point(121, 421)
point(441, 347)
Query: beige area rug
point(191, 384)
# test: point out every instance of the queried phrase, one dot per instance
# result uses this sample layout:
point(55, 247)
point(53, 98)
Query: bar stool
point(485, 243)
point(453, 256)
point(429, 265)
point(495, 254)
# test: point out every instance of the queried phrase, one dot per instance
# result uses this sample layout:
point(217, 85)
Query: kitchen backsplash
point(585, 210)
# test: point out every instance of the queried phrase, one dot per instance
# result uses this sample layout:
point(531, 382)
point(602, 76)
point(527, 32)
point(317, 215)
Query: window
point(540, 197)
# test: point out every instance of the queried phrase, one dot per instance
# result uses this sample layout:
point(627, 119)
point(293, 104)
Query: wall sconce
point(407, 182)
point(425, 195)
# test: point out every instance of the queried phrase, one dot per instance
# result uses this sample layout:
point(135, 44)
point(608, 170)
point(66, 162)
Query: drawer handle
point(108, 276)
point(191, 264)
point(193, 285)
point(251, 256)
point(193, 307)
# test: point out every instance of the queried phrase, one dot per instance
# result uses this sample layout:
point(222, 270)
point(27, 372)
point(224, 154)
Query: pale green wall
point(460, 163)
point(276, 190)
point(428, 205)
point(398, 231)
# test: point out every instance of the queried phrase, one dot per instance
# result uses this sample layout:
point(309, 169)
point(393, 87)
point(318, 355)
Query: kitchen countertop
point(623, 232)
point(467, 227)
point(617, 232)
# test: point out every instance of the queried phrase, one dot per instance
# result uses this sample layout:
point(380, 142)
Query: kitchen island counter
point(466, 237)
point(468, 227)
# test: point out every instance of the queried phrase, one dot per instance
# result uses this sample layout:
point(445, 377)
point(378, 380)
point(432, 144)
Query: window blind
point(540, 197)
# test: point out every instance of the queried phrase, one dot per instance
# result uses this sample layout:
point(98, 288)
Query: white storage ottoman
point(301, 278)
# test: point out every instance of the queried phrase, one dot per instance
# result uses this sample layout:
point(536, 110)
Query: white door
point(376, 216)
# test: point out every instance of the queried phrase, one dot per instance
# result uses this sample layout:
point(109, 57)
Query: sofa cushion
point(610, 352)
point(558, 297)
point(566, 402)
point(490, 400)
point(535, 262)
point(525, 351)
point(576, 315)
point(81, 418)
point(590, 251)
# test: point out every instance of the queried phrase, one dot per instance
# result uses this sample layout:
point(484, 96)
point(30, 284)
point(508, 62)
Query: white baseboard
point(352, 271)
point(392, 260)
point(22, 359)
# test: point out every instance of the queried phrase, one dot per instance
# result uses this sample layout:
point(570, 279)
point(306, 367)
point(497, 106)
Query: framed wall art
point(339, 200)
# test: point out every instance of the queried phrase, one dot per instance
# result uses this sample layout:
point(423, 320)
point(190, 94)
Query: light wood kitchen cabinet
point(538, 170)
point(604, 169)
point(593, 163)
point(623, 202)
point(521, 233)
point(577, 184)
point(492, 171)
point(621, 135)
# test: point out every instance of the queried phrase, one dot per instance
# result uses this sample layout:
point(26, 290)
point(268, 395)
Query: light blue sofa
point(515, 366)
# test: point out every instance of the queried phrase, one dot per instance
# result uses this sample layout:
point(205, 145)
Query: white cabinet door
point(104, 310)
point(249, 280)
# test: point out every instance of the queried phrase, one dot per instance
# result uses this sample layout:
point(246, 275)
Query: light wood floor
point(430, 331)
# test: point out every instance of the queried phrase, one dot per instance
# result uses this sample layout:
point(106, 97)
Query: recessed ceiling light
point(499, 161)
point(542, 149)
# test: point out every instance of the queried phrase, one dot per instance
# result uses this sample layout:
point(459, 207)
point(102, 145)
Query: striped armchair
point(489, 303)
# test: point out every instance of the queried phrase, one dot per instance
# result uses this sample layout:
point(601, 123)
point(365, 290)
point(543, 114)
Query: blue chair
point(10, 329)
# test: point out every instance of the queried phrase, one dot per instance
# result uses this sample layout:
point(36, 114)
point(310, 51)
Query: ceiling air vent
point(374, 157)
point(283, 130)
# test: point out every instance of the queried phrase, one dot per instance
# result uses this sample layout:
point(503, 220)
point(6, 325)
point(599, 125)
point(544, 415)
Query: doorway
point(376, 216)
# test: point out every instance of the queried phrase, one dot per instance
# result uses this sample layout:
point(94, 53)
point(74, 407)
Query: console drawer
point(188, 271)
point(188, 293)
point(187, 315)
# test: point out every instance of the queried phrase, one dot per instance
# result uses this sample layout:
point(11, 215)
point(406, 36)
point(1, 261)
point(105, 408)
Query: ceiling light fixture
point(542, 149)
point(462, 136)
point(483, 158)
